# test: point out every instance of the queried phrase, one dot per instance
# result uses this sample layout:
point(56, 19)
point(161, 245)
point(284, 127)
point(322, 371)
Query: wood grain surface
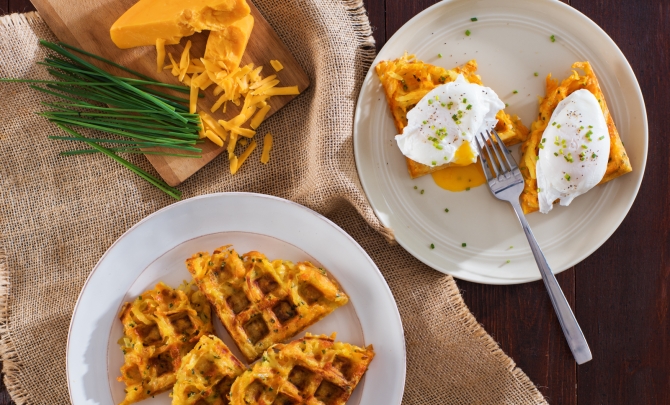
point(87, 28)
point(621, 293)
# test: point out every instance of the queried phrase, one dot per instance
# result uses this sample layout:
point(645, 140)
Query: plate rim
point(465, 275)
point(333, 225)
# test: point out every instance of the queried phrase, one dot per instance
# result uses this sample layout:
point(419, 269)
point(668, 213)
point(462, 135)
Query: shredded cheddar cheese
point(194, 94)
point(259, 117)
point(282, 91)
point(175, 66)
point(233, 165)
point(184, 61)
point(243, 157)
point(213, 125)
point(160, 54)
point(244, 86)
point(231, 145)
point(276, 65)
point(214, 138)
point(267, 145)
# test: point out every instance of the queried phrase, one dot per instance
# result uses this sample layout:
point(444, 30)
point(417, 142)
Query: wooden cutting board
point(85, 24)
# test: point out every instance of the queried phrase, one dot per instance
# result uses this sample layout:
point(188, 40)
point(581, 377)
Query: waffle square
point(160, 327)
point(262, 302)
point(206, 374)
point(313, 370)
point(406, 80)
point(618, 163)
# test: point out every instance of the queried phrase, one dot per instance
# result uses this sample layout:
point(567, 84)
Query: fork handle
point(571, 330)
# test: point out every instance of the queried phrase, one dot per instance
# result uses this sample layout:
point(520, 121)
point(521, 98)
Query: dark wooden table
point(621, 293)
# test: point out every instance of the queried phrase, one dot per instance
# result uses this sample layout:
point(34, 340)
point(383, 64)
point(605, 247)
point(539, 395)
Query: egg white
point(574, 150)
point(448, 116)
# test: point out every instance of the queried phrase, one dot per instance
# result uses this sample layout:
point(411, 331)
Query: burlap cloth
point(60, 214)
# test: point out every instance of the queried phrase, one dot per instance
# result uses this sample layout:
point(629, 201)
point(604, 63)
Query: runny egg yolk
point(464, 155)
point(460, 178)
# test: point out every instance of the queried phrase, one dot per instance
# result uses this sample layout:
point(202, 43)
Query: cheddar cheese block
point(227, 46)
point(149, 20)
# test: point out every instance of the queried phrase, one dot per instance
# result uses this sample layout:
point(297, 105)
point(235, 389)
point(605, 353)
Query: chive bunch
point(137, 115)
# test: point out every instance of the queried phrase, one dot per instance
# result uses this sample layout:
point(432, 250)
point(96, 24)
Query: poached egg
point(442, 126)
point(574, 150)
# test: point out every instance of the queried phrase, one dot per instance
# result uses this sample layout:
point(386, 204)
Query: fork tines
point(502, 163)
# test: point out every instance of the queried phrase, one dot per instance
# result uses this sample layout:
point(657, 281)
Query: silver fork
point(506, 185)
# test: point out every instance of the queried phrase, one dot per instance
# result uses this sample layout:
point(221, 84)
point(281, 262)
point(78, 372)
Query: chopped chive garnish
point(473, 19)
point(467, 33)
point(536, 74)
point(446, 210)
point(553, 38)
point(464, 244)
point(141, 116)
point(432, 246)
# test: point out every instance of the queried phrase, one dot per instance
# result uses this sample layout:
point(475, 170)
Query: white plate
point(155, 249)
point(510, 41)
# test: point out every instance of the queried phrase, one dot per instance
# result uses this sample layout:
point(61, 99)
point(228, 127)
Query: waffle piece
point(206, 374)
point(406, 80)
point(618, 163)
point(314, 370)
point(261, 302)
point(160, 327)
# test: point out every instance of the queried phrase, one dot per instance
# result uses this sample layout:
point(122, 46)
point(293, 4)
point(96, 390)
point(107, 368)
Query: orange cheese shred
point(193, 104)
point(259, 117)
point(185, 60)
point(276, 65)
point(243, 157)
point(282, 91)
point(175, 65)
point(214, 138)
point(160, 54)
point(267, 145)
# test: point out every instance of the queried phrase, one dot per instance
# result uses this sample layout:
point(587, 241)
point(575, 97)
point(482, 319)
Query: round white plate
point(155, 250)
point(510, 41)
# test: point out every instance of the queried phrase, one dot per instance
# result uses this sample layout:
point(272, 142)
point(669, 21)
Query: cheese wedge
point(149, 20)
point(228, 45)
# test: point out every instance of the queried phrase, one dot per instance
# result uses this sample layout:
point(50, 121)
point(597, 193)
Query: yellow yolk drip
point(464, 155)
point(460, 178)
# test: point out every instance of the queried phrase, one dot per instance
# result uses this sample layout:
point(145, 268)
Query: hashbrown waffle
point(261, 302)
point(406, 80)
point(314, 370)
point(160, 327)
point(206, 374)
point(618, 163)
